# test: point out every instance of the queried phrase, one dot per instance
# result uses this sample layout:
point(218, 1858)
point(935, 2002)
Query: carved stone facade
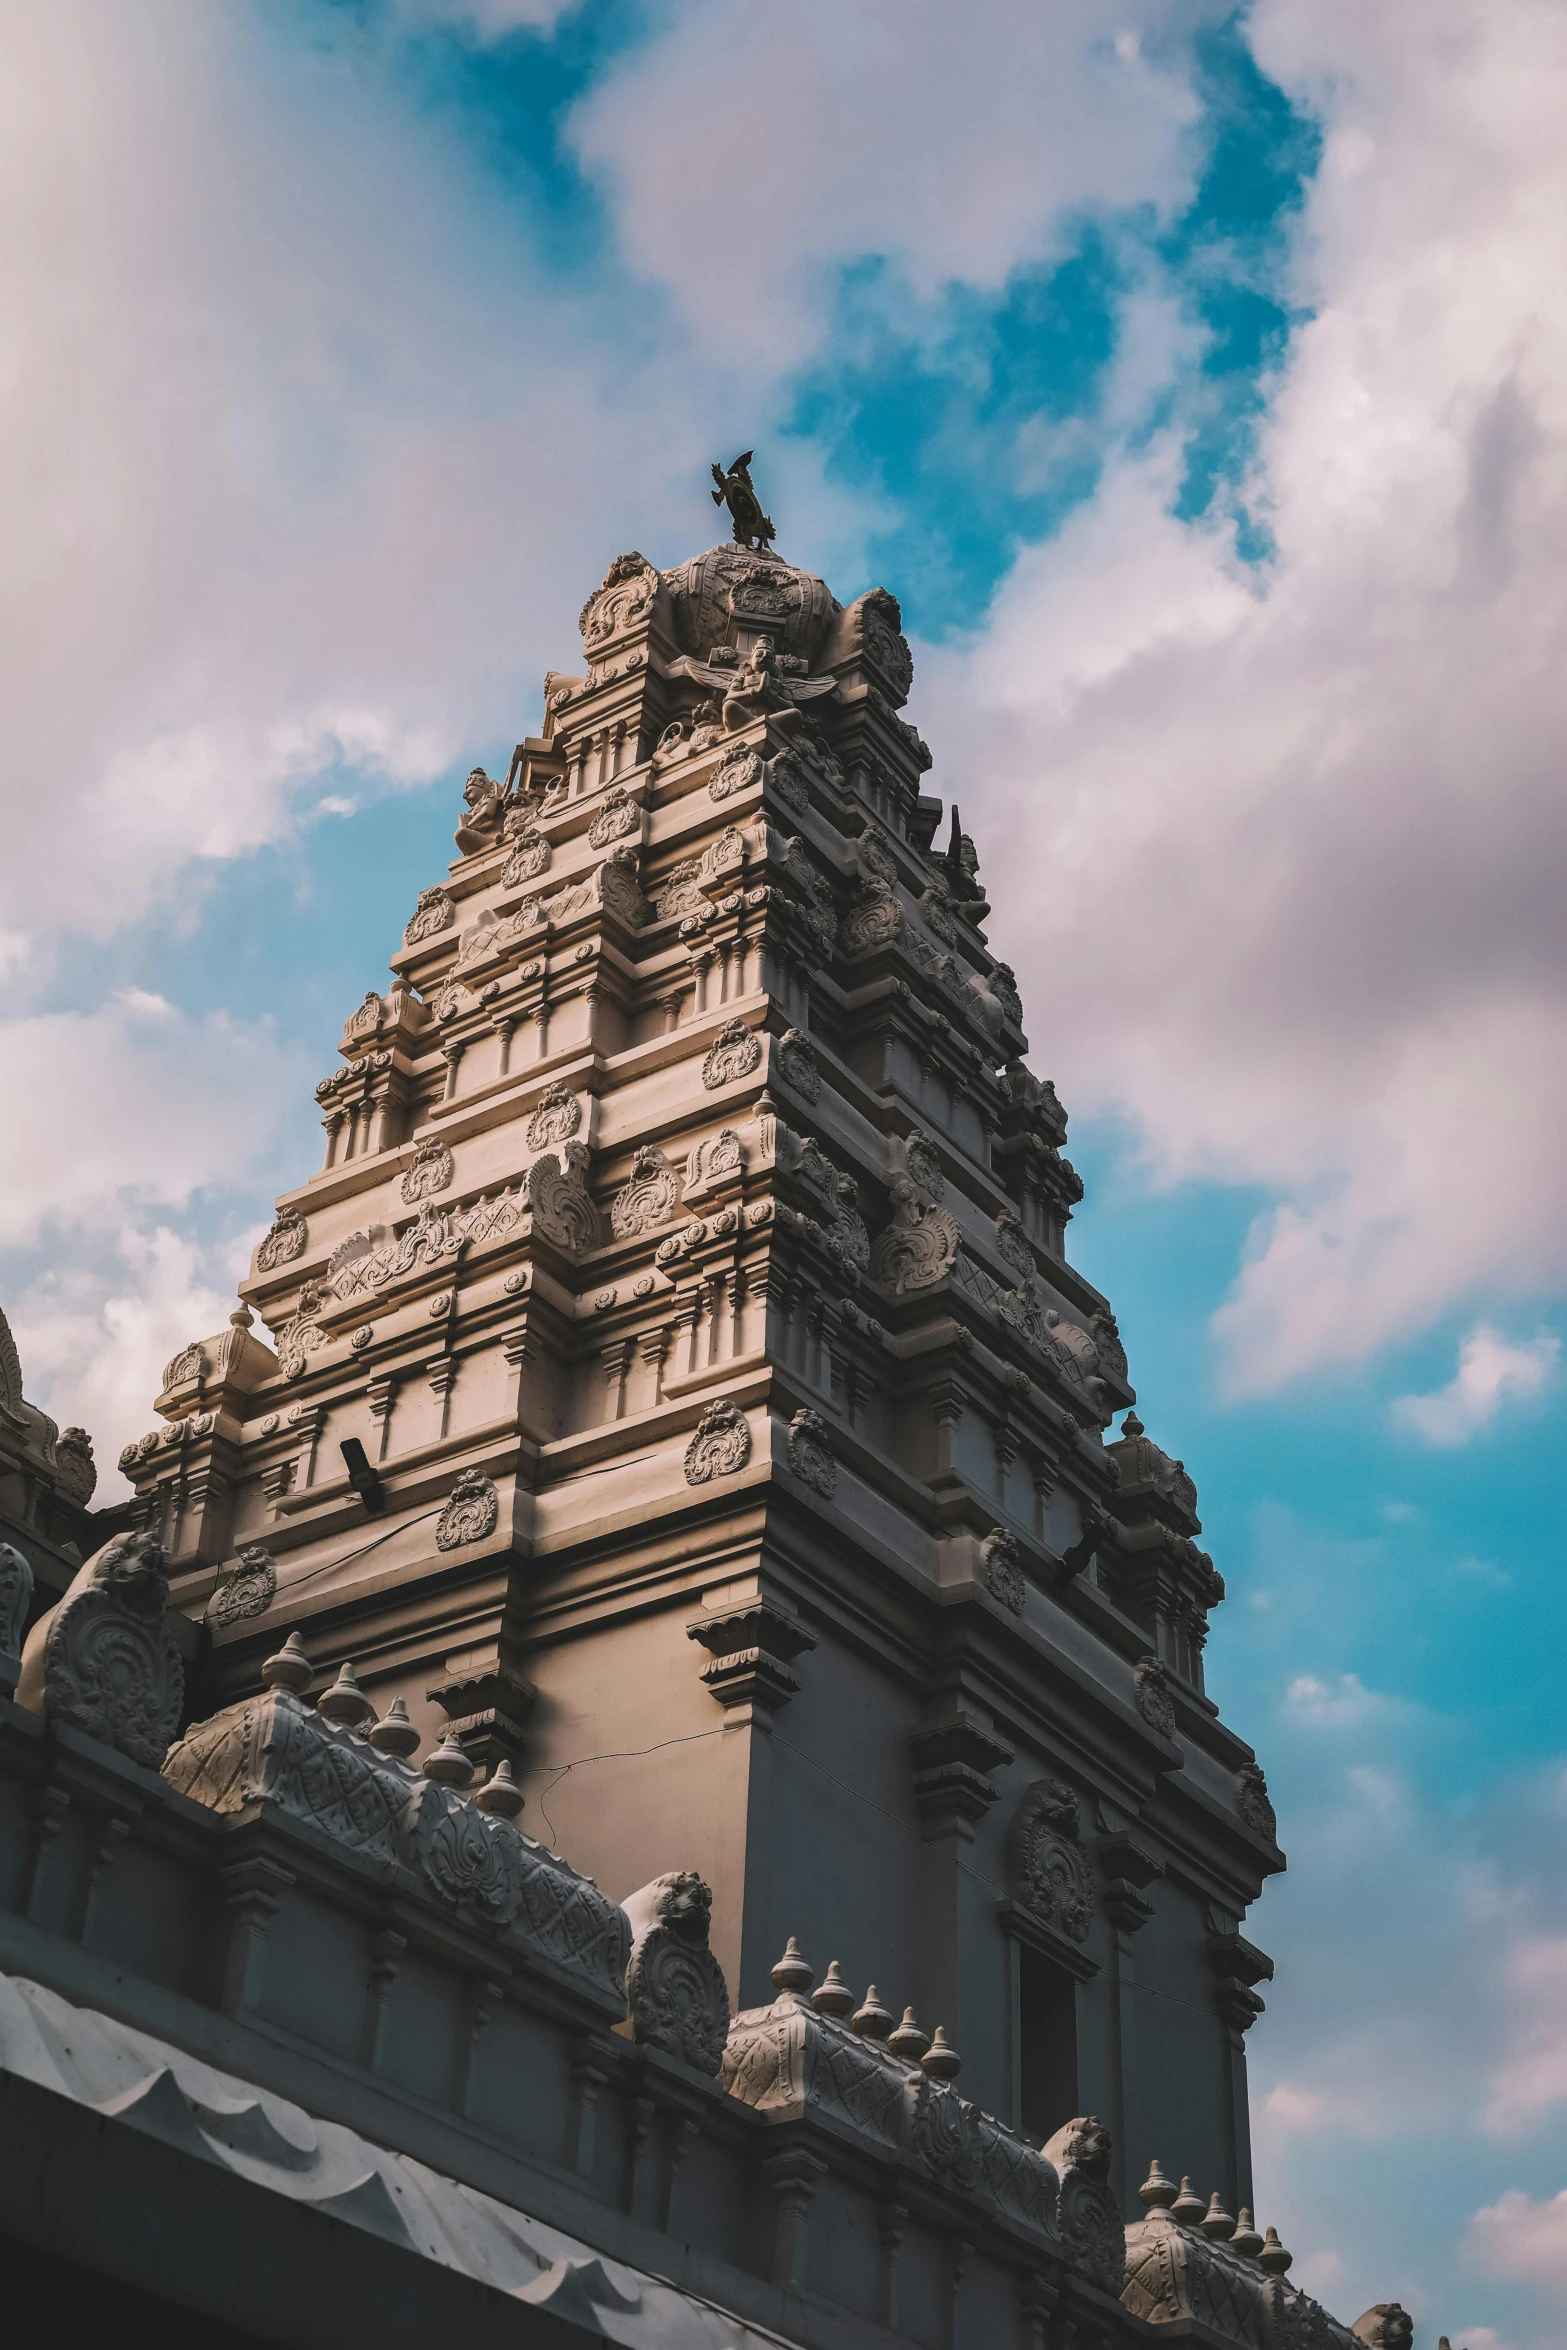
point(672, 1390)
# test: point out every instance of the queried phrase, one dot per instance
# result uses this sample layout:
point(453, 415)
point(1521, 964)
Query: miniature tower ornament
point(752, 527)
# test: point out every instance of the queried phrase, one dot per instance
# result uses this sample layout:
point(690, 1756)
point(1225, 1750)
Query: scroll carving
point(248, 1591)
point(1253, 1803)
point(562, 1205)
point(1003, 1568)
point(675, 1988)
point(796, 1064)
point(734, 1052)
point(1087, 2212)
point(1050, 1871)
point(721, 1445)
point(471, 1514)
point(920, 1245)
point(16, 1593)
point(432, 1171)
point(103, 1660)
point(284, 1241)
point(648, 1198)
point(556, 1117)
point(810, 1453)
point(1151, 1690)
point(435, 912)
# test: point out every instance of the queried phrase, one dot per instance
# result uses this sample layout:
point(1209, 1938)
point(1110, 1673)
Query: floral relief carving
point(721, 1154)
point(682, 890)
point(467, 1857)
point(1003, 1569)
point(919, 1247)
point(110, 1666)
point(1151, 1691)
point(721, 1445)
point(189, 1363)
point(557, 1116)
point(622, 603)
point(530, 852)
point(734, 1053)
point(432, 1171)
point(562, 1205)
point(796, 1064)
point(471, 1513)
point(435, 912)
point(873, 921)
point(675, 1989)
point(1252, 1801)
point(1050, 1872)
point(615, 819)
point(739, 770)
point(283, 1242)
point(648, 1198)
point(810, 1453)
point(249, 1590)
point(301, 1335)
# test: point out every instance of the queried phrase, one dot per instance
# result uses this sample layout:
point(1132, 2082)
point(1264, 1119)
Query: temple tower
point(677, 1384)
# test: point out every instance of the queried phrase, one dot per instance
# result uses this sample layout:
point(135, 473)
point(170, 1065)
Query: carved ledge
point(952, 1762)
point(750, 1646)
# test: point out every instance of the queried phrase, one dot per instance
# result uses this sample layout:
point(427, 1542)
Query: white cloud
point(1286, 847)
point(1491, 1371)
point(1531, 2080)
point(1342, 1704)
point(946, 141)
point(1518, 2237)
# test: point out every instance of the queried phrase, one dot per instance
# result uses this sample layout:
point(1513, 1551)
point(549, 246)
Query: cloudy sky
point(1199, 382)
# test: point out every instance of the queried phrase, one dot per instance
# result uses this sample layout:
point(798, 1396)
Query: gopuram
point(638, 1767)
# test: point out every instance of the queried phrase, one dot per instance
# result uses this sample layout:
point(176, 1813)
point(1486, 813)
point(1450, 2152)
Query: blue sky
point(1198, 381)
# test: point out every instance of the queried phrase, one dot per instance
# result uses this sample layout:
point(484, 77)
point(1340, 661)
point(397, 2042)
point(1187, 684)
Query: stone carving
point(103, 1660)
point(1251, 1799)
point(189, 1363)
point(751, 526)
point(682, 890)
point(648, 1198)
point(1151, 1691)
point(435, 912)
point(276, 1750)
point(721, 1445)
point(617, 817)
point(675, 1988)
point(557, 1116)
point(739, 771)
point(619, 888)
point(1003, 981)
point(301, 1335)
point(471, 1513)
point(372, 1258)
point(1087, 2212)
point(794, 2059)
point(16, 1593)
point(920, 1245)
point(432, 1171)
point(76, 1472)
point(283, 1242)
point(787, 777)
point(366, 1021)
point(530, 852)
point(562, 1204)
point(1003, 1566)
point(923, 1165)
point(249, 1590)
point(622, 603)
point(734, 1052)
point(1014, 1247)
point(883, 642)
point(1050, 1870)
point(873, 921)
point(720, 1155)
point(796, 1065)
point(1387, 2326)
point(484, 805)
point(1107, 1343)
point(810, 1453)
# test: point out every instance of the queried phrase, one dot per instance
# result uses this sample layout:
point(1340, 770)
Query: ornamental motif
point(468, 1859)
point(619, 889)
point(470, 1514)
point(1089, 2216)
point(883, 642)
point(874, 922)
point(624, 600)
point(734, 1052)
point(1050, 1872)
point(1251, 1797)
point(675, 1989)
point(796, 1065)
point(283, 1242)
point(786, 776)
point(1003, 1565)
point(1013, 1246)
point(1151, 1690)
point(682, 890)
point(562, 1205)
point(366, 1021)
point(111, 1668)
point(615, 819)
point(810, 1453)
point(435, 912)
point(301, 1335)
point(721, 1154)
point(721, 1445)
point(432, 1171)
point(1003, 985)
point(189, 1363)
point(648, 1198)
point(16, 1592)
point(739, 771)
point(249, 1590)
point(556, 1117)
point(919, 1157)
point(920, 1245)
point(530, 853)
